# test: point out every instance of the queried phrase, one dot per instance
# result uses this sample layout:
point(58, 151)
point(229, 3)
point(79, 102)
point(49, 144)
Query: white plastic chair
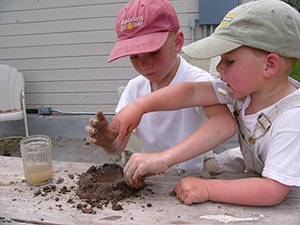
point(12, 92)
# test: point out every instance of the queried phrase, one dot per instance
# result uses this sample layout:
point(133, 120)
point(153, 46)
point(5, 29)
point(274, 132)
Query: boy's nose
point(144, 57)
point(145, 62)
point(220, 67)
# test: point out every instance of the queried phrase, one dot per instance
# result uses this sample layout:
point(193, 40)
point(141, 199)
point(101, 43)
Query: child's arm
point(177, 96)
point(247, 191)
point(218, 128)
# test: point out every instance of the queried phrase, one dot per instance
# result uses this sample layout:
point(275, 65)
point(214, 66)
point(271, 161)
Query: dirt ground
point(64, 149)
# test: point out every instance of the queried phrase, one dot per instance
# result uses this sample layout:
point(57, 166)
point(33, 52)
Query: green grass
point(296, 71)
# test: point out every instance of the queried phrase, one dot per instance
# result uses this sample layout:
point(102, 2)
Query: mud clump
point(103, 183)
point(97, 188)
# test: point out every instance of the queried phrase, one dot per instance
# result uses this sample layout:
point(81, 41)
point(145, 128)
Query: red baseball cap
point(143, 26)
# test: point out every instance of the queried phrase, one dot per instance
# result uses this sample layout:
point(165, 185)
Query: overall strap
point(265, 121)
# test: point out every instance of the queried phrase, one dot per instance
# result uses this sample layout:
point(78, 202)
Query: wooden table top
point(155, 205)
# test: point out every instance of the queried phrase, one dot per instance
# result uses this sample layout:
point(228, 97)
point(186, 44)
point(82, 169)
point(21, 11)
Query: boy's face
point(243, 70)
point(159, 65)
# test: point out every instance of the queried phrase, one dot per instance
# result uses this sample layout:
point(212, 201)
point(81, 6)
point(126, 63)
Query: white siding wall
point(61, 47)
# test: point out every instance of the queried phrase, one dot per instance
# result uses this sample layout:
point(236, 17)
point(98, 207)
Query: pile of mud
point(105, 182)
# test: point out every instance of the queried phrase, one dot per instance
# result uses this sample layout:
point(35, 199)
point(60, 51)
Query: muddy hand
point(132, 178)
point(141, 165)
point(99, 131)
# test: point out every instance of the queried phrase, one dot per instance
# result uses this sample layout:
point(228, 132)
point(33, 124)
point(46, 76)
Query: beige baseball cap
point(270, 25)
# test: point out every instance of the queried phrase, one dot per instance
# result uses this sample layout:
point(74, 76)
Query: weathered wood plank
point(81, 37)
point(73, 98)
point(62, 13)
point(80, 74)
point(56, 51)
point(105, 38)
point(75, 25)
point(15, 5)
point(65, 63)
point(18, 205)
point(26, 5)
point(75, 86)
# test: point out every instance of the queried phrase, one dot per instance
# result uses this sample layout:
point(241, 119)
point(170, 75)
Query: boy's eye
point(229, 62)
point(133, 56)
point(154, 53)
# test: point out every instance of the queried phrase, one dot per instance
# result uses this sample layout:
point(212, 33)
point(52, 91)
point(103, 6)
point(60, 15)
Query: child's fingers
point(95, 121)
point(100, 115)
point(137, 180)
point(128, 173)
point(91, 140)
point(90, 130)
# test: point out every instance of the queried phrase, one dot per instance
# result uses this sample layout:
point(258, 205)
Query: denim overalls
point(247, 141)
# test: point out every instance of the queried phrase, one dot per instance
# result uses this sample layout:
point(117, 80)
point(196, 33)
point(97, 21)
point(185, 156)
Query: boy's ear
point(178, 42)
point(272, 64)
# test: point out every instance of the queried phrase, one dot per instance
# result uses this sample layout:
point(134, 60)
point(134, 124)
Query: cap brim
point(137, 45)
point(209, 47)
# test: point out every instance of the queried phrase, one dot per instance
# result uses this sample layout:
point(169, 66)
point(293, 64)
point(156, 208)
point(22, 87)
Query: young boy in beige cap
point(148, 32)
point(259, 43)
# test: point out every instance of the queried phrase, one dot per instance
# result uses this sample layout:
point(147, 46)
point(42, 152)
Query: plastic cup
point(36, 151)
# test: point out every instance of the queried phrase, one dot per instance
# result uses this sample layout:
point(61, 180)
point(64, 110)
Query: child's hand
point(141, 165)
point(99, 131)
point(192, 190)
point(125, 121)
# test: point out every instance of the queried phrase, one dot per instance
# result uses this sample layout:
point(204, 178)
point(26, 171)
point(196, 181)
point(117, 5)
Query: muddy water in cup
point(38, 174)
point(36, 154)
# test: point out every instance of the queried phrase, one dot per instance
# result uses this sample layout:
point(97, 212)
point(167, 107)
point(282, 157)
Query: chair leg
point(24, 113)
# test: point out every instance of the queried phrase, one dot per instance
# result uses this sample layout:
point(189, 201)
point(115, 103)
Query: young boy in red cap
point(148, 32)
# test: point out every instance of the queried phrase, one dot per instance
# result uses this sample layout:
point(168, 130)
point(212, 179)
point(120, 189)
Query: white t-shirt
point(279, 148)
point(161, 130)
